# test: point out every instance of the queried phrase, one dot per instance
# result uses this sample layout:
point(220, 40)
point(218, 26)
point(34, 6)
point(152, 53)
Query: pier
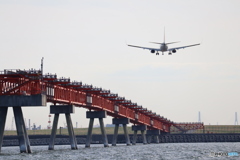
point(30, 88)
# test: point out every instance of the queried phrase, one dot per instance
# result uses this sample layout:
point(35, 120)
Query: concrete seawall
point(191, 138)
point(97, 139)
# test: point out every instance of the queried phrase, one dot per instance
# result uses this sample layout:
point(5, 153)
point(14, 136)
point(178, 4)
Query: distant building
point(35, 127)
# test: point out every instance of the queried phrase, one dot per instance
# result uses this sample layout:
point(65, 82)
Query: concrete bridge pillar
point(153, 134)
point(149, 139)
point(89, 134)
point(54, 131)
point(17, 101)
point(134, 137)
point(156, 139)
point(23, 139)
point(100, 115)
point(143, 132)
point(117, 122)
point(141, 128)
point(114, 141)
point(3, 115)
point(67, 110)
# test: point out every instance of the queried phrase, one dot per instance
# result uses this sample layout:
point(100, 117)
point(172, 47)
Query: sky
point(86, 41)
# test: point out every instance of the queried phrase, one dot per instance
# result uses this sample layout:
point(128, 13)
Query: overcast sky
point(86, 41)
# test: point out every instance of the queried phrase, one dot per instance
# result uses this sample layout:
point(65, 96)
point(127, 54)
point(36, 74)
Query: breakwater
point(97, 139)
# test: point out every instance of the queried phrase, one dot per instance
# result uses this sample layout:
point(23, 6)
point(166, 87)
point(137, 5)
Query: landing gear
point(157, 53)
point(169, 53)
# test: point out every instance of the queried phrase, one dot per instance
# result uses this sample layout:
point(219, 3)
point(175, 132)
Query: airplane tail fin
point(164, 36)
point(164, 40)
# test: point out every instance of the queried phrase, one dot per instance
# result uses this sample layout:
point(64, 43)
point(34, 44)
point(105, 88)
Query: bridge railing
point(68, 95)
point(103, 103)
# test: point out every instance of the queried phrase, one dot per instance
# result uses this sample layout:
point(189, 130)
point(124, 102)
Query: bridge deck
point(63, 91)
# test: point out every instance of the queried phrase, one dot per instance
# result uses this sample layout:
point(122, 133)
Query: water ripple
point(166, 151)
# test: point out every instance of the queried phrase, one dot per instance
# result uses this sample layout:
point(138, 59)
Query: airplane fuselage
point(163, 47)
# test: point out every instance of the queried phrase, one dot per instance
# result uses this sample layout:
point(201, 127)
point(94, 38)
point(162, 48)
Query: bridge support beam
point(141, 128)
point(67, 110)
point(100, 115)
point(89, 135)
point(54, 131)
point(72, 137)
point(3, 116)
point(149, 139)
point(156, 139)
point(114, 141)
point(23, 139)
point(117, 122)
point(23, 100)
point(143, 132)
point(134, 137)
point(153, 134)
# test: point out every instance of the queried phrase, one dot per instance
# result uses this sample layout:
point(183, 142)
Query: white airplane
point(164, 47)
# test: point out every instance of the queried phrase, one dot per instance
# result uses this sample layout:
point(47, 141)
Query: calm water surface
point(171, 151)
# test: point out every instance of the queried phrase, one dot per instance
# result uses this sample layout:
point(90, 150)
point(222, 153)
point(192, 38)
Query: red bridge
point(25, 83)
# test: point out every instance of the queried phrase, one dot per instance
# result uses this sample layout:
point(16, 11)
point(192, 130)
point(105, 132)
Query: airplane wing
point(176, 48)
point(156, 49)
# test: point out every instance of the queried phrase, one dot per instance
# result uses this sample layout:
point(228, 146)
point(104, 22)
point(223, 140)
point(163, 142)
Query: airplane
point(164, 47)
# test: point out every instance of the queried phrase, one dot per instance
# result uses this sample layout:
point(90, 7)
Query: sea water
point(168, 151)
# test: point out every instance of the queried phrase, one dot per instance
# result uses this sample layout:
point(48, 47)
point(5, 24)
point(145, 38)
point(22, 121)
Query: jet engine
point(174, 51)
point(152, 51)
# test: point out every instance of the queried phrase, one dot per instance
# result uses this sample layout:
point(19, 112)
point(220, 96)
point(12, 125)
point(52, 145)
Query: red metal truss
point(62, 91)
